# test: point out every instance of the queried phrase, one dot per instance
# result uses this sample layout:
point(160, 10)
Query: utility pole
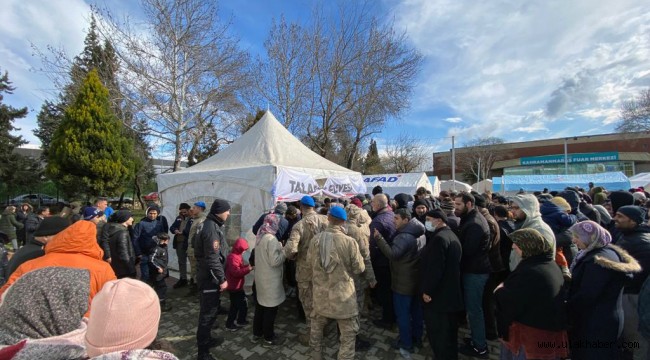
point(453, 162)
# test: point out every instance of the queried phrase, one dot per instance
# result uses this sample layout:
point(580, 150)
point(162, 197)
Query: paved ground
point(178, 327)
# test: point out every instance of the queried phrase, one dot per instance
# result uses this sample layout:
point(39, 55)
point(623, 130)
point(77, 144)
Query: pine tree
point(90, 151)
point(372, 164)
point(14, 168)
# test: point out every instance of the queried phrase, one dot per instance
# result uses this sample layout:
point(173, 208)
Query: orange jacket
point(74, 247)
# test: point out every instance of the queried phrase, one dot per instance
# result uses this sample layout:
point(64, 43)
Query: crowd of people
point(550, 275)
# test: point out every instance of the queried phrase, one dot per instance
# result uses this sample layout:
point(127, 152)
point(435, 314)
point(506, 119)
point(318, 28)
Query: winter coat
point(180, 240)
point(494, 252)
point(573, 199)
point(506, 227)
point(32, 250)
point(4, 263)
point(440, 271)
point(9, 224)
point(599, 196)
point(560, 222)
point(334, 258)
point(143, 233)
point(474, 236)
point(209, 240)
point(637, 243)
point(532, 296)
point(31, 223)
point(236, 270)
point(300, 239)
point(74, 247)
point(159, 260)
point(196, 224)
point(594, 304)
point(283, 226)
point(269, 268)
point(404, 257)
point(121, 249)
point(359, 229)
point(384, 222)
point(644, 309)
point(530, 206)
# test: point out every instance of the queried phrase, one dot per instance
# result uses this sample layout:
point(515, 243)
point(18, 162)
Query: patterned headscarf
point(270, 226)
point(592, 235)
point(531, 242)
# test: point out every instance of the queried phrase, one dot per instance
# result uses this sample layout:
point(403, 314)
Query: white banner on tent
point(291, 185)
point(347, 186)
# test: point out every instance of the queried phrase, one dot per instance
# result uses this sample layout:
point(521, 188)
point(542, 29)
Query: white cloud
point(493, 63)
point(453, 120)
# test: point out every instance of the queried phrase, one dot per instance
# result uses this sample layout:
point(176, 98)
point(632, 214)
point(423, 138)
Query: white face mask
point(429, 226)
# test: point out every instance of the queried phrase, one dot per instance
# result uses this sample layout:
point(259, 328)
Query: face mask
point(429, 226)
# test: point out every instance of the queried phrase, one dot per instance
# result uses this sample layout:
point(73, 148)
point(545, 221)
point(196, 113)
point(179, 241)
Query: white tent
point(448, 185)
point(640, 179)
point(393, 184)
point(244, 174)
point(483, 186)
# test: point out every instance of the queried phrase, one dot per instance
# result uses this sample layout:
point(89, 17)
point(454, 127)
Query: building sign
point(571, 158)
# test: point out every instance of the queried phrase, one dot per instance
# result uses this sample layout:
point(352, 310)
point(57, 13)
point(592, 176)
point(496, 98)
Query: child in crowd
point(236, 270)
point(159, 269)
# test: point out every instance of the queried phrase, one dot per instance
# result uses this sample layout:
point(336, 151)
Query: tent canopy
point(513, 183)
point(640, 179)
point(245, 171)
point(435, 185)
point(394, 184)
point(448, 185)
point(483, 186)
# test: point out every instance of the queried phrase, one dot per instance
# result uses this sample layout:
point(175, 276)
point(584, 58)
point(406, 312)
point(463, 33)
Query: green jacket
point(9, 224)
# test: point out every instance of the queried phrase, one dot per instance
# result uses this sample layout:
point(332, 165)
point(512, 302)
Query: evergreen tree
point(372, 164)
point(90, 150)
point(14, 168)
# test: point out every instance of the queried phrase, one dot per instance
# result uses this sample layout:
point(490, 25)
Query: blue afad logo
point(389, 179)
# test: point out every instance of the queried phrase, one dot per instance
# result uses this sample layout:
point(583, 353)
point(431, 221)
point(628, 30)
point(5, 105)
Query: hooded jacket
point(235, 267)
point(637, 243)
point(573, 199)
point(530, 206)
point(143, 233)
point(9, 225)
point(560, 222)
point(599, 196)
point(334, 259)
point(404, 257)
point(359, 229)
point(74, 247)
point(594, 303)
point(31, 223)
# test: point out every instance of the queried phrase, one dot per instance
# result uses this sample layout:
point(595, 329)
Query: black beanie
point(419, 202)
point(437, 214)
point(219, 206)
point(51, 226)
point(120, 216)
point(620, 198)
point(184, 206)
point(635, 213)
point(479, 200)
point(377, 190)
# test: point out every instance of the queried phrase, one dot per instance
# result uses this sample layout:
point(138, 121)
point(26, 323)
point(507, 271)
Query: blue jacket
point(143, 233)
point(384, 222)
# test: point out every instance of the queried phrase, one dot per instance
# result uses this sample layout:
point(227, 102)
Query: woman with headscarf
point(530, 307)
point(269, 261)
point(599, 272)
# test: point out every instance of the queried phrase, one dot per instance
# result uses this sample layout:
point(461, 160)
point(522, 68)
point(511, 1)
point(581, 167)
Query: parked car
point(125, 200)
point(36, 199)
point(151, 197)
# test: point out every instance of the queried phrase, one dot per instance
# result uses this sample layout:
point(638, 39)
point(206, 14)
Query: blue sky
point(519, 70)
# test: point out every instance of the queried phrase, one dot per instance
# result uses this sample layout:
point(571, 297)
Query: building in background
point(628, 153)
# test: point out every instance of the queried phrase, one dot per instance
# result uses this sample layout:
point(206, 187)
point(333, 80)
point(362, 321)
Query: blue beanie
point(307, 201)
point(339, 213)
point(200, 204)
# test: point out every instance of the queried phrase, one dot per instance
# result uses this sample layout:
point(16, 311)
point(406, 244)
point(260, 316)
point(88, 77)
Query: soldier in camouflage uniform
point(335, 259)
point(358, 228)
point(301, 235)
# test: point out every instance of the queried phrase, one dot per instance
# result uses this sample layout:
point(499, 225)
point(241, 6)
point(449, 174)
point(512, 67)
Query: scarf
point(270, 226)
point(592, 235)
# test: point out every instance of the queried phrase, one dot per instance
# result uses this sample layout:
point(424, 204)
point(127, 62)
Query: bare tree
point(182, 73)
point(348, 74)
point(480, 157)
point(405, 154)
point(635, 113)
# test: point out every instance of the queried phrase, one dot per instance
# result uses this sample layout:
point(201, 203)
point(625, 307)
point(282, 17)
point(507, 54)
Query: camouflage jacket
point(301, 236)
point(334, 258)
point(359, 229)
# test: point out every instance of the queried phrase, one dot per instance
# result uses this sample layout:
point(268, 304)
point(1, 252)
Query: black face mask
point(163, 245)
